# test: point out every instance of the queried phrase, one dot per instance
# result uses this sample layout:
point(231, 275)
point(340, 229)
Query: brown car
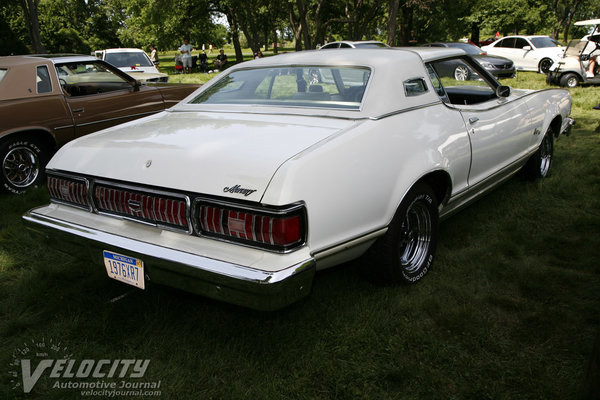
point(45, 101)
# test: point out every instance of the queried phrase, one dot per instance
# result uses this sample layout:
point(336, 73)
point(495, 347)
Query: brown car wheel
point(22, 160)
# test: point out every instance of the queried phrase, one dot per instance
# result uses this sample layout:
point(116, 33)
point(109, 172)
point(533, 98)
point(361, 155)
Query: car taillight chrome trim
point(277, 229)
point(254, 226)
point(68, 189)
point(147, 206)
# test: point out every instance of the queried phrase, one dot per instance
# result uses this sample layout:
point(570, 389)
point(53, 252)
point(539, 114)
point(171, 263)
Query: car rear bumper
point(164, 264)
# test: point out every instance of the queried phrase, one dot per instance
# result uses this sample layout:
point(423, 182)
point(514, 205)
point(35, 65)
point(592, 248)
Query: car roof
point(122, 50)
point(9, 61)
point(355, 42)
point(392, 68)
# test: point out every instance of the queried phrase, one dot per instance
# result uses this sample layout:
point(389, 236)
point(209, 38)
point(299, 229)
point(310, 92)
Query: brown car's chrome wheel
point(22, 165)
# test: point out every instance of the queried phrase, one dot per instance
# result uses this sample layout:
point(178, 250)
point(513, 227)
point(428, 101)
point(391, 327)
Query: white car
point(358, 44)
point(135, 62)
point(529, 53)
point(286, 165)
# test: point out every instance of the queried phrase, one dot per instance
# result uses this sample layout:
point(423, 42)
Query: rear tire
point(569, 80)
point(405, 253)
point(22, 163)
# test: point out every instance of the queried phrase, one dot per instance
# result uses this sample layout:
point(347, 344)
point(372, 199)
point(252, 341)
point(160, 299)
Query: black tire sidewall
point(36, 147)
point(386, 254)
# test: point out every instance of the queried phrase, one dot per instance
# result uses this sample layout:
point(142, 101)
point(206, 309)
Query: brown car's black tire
point(22, 163)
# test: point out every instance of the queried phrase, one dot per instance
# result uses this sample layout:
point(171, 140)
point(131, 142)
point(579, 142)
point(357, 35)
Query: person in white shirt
point(186, 58)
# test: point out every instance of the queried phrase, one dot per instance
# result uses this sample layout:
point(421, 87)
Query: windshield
point(371, 45)
point(540, 42)
point(306, 86)
point(122, 59)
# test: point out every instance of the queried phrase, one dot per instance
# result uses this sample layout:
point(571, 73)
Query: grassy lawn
point(510, 310)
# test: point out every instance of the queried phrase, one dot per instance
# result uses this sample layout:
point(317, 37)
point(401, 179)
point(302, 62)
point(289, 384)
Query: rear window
point(306, 86)
point(121, 59)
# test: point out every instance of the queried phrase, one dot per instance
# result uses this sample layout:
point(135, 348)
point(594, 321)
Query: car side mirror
point(136, 85)
point(526, 48)
point(503, 91)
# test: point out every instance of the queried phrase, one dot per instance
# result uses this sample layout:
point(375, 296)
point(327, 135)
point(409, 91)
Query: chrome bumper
point(232, 283)
point(567, 125)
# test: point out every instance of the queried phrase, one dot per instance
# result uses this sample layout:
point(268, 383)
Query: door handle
point(78, 110)
point(472, 120)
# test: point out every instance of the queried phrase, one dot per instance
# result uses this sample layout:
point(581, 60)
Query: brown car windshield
point(306, 86)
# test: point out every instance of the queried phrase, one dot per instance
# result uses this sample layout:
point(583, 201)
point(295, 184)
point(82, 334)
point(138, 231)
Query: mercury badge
point(148, 163)
point(239, 189)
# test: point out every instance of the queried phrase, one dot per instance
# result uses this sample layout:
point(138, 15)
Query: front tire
point(22, 163)
point(538, 166)
point(545, 65)
point(569, 80)
point(405, 253)
point(461, 73)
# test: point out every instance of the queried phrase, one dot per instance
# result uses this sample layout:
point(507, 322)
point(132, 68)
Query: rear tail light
point(156, 208)
point(279, 230)
point(68, 190)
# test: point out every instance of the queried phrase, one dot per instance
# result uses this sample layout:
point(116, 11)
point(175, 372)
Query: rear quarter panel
point(353, 182)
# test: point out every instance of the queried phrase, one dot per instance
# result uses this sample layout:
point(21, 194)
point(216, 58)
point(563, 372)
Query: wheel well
point(44, 136)
point(556, 125)
point(440, 183)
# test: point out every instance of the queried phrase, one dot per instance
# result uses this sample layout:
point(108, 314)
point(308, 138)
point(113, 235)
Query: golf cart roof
point(588, 22)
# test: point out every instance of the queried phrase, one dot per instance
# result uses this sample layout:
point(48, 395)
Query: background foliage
point(82, 26)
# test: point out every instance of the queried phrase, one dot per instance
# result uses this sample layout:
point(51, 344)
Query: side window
point(510, 43)
point(345, 46)
point(521, 43)
point(461, 81)
point(89, 78)
point(44, 85)
point(415, 87)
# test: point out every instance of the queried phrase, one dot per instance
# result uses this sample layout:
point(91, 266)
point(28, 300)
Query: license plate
point(124, 268)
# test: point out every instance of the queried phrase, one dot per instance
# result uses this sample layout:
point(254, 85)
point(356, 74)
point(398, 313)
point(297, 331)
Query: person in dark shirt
point(221, 60)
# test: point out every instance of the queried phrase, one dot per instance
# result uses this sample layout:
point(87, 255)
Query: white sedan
point(529, 53)
point(286, 165)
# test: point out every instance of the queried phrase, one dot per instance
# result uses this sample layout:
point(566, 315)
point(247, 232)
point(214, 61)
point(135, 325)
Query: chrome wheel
point(461, 73)
point(20, 167)
point(415, 236)
point(546, 151)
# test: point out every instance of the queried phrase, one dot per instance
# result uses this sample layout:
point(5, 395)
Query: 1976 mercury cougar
point(290, 164)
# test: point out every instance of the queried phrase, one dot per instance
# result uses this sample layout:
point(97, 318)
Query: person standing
point(186, 56)
point(154, 56)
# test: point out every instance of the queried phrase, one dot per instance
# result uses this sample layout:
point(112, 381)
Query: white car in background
point(529, 53)
point(135, 62)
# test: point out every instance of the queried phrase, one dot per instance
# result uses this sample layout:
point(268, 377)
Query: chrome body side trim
point(221, 280)
point(466, 197)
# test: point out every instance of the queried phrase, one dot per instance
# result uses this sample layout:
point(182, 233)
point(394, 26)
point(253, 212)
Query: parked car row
point(276, 168)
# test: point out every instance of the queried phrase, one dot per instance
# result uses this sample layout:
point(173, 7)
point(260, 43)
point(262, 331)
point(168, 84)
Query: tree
point(30, 10)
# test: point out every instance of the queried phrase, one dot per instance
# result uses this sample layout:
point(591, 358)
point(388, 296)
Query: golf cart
point(570, 70)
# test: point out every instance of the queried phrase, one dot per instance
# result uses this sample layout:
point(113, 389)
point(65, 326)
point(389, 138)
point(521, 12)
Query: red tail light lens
point(68, 190)
point(277, 230)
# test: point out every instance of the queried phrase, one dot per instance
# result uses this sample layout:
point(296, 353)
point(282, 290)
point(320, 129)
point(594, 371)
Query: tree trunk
point(30, 10)
point(392, 22)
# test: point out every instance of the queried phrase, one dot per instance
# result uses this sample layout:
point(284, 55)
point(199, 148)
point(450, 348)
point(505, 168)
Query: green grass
point(509, 311)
